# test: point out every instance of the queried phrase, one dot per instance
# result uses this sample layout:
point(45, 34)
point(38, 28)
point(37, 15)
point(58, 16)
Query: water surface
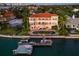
point(60, 47)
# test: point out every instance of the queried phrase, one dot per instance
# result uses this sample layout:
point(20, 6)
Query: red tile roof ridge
point(43, 15)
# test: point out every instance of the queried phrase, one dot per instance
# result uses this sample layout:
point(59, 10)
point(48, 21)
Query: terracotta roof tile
point(8, 14)
point(43, 15)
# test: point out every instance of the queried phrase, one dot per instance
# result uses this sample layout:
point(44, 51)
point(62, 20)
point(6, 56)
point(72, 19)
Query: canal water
point(60, 47)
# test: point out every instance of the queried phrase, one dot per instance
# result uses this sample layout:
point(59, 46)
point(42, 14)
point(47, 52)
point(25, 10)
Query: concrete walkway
point(41, 36)
point(13, 36)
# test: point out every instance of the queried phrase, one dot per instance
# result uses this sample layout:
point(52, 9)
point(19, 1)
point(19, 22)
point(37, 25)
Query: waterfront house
point(43, 21)
point(72, 23)
point(8, 14)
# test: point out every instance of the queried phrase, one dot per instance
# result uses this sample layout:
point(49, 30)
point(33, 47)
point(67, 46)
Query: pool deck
point(41, 36)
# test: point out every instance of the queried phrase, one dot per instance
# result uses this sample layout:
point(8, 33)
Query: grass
point(12, 31)
point(8, 31)
point(23, 33)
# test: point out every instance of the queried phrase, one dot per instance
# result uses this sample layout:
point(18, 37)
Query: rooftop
point(8, 13)
point(43, 15)
point(73, 21)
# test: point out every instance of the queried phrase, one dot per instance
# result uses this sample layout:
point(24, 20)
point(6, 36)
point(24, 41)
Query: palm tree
point(62, 25)
point(62, 21)
point(25, 15)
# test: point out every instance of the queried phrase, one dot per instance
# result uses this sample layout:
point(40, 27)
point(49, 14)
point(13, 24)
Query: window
point(43, 19)
point(39, 23)
point(73, 25)
point(33, 19)
point(50, 23)
point(54, 18)
point(78, 26)
point(32, 27)
point(43, 23)
point(68, 26)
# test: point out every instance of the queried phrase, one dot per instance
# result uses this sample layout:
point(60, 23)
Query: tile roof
point(8, 14)
point(43, 15)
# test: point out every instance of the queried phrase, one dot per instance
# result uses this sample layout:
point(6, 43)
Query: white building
point(43, 21)
point(73, 23)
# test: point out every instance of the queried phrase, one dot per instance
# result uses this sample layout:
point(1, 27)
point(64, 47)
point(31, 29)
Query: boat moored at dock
point(42, 43)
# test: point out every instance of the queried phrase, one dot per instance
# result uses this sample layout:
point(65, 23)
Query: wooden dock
point(43, 42)
point(23, 49)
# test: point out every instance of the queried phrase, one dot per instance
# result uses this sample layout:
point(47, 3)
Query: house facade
point(73, 23)
point(43, 21)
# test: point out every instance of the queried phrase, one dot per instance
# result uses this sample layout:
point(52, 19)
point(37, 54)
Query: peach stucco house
point(43, 21)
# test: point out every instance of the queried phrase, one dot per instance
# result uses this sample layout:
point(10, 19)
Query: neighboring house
point(31, 7)
point(8, 15)
point(73, 23)
point(43, 21)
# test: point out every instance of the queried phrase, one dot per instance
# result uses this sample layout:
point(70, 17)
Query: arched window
point(39, 22)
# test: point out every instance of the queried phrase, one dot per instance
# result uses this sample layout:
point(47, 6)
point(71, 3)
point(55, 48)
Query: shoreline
point(40, 36)
point(13, 36)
